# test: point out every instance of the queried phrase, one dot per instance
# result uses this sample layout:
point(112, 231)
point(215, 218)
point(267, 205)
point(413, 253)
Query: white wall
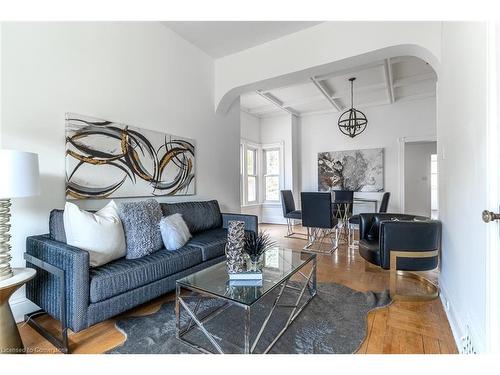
point(250, 131)
point(250, 127)
point(138, 73)
point(386, 124)
point(418, 177)
point(275, 129)
point(462, 109)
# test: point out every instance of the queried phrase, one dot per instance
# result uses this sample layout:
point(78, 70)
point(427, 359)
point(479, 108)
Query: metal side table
point(10, 340)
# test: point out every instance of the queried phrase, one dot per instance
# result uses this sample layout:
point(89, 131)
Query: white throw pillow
point(174, 231)
point(101, 234)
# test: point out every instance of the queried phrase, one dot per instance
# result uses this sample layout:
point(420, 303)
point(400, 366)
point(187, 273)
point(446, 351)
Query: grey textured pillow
point(141, 227)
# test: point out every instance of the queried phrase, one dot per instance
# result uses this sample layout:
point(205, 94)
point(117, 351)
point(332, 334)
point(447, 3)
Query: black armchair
point(401, 243)
point(354, 219)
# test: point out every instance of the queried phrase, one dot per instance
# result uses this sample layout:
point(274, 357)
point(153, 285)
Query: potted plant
point(255, 246)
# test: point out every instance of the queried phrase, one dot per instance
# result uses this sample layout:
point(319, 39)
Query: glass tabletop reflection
point(278, 265)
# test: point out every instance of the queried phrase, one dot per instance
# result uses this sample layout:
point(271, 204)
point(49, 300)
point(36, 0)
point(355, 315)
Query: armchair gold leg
point(432, 290)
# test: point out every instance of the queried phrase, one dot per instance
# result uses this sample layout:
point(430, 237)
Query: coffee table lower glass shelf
point(214, 316)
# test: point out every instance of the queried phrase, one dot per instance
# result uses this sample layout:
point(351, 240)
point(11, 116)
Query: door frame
point(493, 185)
point(402, 141)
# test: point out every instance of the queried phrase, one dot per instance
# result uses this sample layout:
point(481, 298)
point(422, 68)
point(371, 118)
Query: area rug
point(334, 322)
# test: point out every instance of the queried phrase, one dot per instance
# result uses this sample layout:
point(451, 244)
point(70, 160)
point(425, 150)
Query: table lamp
point(19, 177)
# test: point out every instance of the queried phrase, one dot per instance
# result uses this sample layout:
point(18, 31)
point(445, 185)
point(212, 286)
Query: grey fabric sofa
point(78, 296)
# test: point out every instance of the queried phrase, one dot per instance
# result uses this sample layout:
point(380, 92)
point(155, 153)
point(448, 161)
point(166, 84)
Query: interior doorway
point(420, 186)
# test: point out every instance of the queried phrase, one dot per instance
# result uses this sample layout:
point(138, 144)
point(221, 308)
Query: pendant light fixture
point(352, 122)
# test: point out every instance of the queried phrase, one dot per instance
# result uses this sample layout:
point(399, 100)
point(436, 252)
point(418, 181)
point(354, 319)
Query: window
point(251, 169)
point(261, 172)
point(272, 174)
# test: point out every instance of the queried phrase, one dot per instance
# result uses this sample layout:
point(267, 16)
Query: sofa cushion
point(126, 274)
point(199, 216)
point(100, 233)
point(212, 243)
point(141, 224)
point(174, 231)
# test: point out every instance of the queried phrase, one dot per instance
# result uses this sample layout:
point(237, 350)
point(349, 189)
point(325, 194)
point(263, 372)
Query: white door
point(493, 181)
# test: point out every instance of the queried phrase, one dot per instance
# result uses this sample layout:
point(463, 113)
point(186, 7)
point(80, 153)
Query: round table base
point(10, 340)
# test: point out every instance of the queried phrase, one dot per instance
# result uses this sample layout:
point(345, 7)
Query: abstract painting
point(356, 170)
point(106, 159)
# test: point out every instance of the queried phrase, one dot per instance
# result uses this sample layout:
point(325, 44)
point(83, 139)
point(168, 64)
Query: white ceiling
point(221, 38)
point(379, 83)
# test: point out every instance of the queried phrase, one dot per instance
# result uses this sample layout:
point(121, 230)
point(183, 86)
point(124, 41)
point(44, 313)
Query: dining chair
point(321, 225)
point(290, 213)
point(342, 203)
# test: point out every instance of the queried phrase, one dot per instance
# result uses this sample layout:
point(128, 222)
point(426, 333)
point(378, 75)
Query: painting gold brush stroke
point(106, 159)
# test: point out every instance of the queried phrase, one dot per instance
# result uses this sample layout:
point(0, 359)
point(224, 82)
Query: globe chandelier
point(352, 122)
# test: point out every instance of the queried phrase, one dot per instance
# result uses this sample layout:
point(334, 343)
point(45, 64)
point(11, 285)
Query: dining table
point(367, 200)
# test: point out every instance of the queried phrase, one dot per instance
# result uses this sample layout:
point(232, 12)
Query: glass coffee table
point(215, 316)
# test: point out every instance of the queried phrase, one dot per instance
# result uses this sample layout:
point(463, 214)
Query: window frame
point(245, 147)
point(281, 176)
point(260, 168)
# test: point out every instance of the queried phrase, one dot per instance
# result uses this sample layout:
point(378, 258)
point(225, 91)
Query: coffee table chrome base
point(250, 344)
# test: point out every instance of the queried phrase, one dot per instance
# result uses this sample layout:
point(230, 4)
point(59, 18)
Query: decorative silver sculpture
point(234, 247)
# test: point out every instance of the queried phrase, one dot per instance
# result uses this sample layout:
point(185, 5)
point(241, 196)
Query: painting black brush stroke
point(106, 159)
point(355, 170)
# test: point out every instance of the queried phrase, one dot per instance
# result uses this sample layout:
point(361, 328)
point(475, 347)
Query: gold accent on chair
point(432, 289)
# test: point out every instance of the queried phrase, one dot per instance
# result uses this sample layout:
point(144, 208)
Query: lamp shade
point(19, 174)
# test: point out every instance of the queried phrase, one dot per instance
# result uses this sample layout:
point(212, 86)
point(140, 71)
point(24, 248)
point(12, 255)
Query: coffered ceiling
point(378, 83)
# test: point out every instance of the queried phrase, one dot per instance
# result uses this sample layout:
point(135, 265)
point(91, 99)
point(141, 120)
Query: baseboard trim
point(21, 306)
point(450, 315)
point(458, 328)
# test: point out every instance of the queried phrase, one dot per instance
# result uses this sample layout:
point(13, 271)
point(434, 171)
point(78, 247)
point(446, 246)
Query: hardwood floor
point(403, 327)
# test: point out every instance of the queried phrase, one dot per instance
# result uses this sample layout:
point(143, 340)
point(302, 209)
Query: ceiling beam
point(250, 111)
point(264, 108)
point(322, 89)
point(358, 89)
point(351, 70)
point(388, 80)
point(430, 94)
point(417, 78)
point(278, 103)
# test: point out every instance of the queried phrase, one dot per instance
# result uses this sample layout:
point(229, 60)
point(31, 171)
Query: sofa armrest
point(45, 289)
point(251, 221)
point(414, 236)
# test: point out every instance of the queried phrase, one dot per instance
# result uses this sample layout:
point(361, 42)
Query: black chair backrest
point(384, 203)
point(317, 210)
point(287, 202)
point(343, 196)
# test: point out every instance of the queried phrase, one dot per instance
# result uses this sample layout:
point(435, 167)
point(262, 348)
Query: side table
point(10, 340)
